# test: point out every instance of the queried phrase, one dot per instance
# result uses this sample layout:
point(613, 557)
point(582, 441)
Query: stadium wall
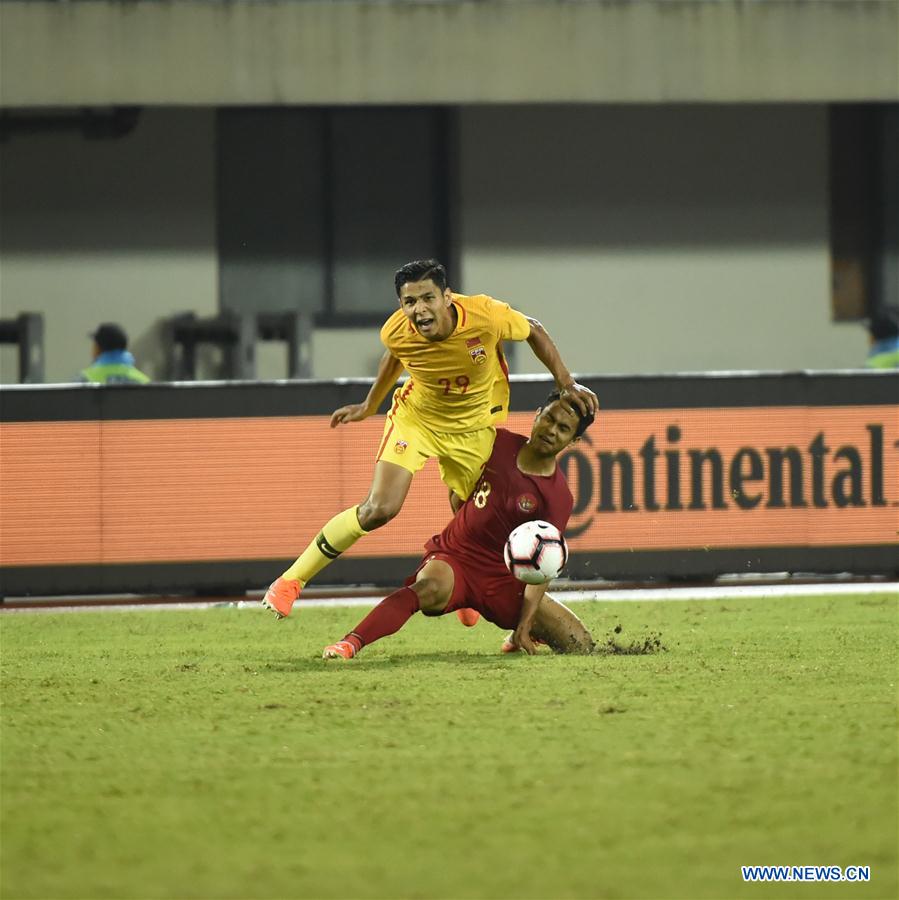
point(502, 51)
point(216, 487)
point(670, 238)
point(108, 230)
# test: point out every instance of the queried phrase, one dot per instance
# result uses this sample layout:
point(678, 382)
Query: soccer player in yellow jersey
point(451, 346)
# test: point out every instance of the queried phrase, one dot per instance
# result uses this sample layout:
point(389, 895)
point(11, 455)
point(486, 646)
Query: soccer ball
point(535, 552)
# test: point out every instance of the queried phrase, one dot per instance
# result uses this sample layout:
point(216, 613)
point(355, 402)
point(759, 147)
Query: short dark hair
point(110, 336)
point(583, 421)
point(420, 270)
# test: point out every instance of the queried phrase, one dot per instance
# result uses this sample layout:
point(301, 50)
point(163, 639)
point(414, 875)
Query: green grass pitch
point(212, 754)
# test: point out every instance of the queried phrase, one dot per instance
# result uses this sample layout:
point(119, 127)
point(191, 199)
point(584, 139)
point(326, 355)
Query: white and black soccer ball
point(535, 552)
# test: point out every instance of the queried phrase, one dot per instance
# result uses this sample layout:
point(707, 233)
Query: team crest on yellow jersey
point(476, 350)
point(400, 447)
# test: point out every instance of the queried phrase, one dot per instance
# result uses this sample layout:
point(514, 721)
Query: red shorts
point(497, 598)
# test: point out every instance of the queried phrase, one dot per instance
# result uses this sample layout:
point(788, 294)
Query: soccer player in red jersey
point(463, 566)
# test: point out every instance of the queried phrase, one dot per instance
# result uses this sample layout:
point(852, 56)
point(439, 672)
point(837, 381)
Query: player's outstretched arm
point(389, 371)
point(574, 395)
point(521, 637)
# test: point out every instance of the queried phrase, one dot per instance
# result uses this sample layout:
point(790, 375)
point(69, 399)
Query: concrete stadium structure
point(651, 179)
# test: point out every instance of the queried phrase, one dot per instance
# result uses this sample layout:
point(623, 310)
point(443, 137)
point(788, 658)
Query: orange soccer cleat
point(468, 617)
point(340, 650)
point(281, 596)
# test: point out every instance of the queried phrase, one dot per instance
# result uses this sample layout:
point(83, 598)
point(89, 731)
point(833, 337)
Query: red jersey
point(503, 498)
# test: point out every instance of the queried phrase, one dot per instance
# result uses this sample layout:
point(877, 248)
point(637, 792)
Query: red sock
point(386, 618)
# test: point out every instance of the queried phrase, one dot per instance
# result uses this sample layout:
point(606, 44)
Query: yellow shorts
point(461, 456)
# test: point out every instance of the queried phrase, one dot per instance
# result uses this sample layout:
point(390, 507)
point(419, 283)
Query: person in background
point(883, 327)
point(112, 364)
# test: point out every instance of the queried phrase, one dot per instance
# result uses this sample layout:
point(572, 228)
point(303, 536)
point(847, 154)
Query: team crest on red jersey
point(527, 503)
point(400, 447)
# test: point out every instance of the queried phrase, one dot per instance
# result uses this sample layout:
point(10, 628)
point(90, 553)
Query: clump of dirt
point(611, 645)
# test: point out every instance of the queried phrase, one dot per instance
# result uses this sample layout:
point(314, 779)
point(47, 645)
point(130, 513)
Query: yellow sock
point(339, 534)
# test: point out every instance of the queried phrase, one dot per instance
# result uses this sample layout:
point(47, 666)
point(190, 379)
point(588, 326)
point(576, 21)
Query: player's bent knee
point(432, 599)
point(374, 514)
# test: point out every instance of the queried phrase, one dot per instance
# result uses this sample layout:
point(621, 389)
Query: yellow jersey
point(461, 383)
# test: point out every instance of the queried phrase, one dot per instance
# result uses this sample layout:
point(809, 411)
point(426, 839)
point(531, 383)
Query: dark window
point(318, 207)
point(864, 208)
